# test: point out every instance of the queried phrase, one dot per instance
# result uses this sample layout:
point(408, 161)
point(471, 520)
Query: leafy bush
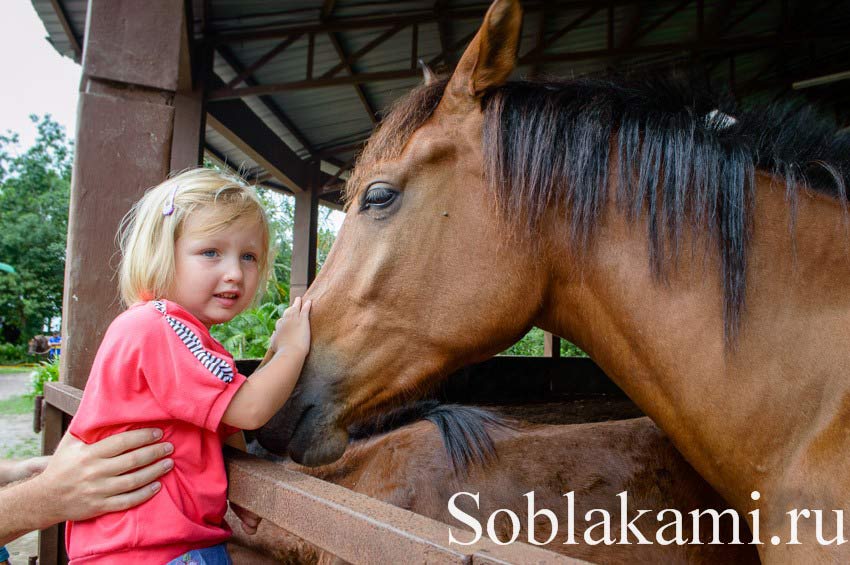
point(47, 371)
point(247, 335)
point(531, 345)
point(12, 354)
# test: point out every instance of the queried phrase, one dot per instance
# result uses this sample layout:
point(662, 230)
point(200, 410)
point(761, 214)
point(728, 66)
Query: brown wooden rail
point(317, 511)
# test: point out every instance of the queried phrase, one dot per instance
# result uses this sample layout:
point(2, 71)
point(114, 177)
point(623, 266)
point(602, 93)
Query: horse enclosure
point(288, 95)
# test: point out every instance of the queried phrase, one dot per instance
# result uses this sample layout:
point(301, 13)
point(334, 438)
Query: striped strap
point(218, 367)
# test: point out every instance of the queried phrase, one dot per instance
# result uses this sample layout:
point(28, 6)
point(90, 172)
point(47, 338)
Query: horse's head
point(421, 278)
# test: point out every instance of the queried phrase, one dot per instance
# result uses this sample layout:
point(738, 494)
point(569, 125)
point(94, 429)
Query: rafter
point(273, 107)
point(271, 54)
point(358, 86)
point(444, 26)
point(540, 48)
point(363, 50)
point(720, 45)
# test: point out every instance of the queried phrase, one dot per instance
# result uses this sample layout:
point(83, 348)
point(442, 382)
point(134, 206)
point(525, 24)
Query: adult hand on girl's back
point(82, 481)
point(292, 330)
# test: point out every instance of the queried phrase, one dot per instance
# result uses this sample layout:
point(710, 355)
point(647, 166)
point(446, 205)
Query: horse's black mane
point(684, 157)
point(465, 430)
point(676, 154)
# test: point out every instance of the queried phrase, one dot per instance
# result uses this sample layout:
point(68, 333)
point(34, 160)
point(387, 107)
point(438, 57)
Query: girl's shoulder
point(137, 321)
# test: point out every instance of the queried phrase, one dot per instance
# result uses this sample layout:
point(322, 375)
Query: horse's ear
point(427, 74)
point(490, 57)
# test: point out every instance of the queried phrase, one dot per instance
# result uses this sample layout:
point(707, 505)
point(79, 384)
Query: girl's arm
point(269, 387)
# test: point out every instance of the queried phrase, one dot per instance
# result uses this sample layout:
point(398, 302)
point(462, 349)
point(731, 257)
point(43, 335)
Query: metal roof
point(321, 72)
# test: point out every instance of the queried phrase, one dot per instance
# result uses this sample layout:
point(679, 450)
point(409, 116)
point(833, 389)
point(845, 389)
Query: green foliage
point(34, 195)
point(47, 371)
point(531, 345)
point(14, 354)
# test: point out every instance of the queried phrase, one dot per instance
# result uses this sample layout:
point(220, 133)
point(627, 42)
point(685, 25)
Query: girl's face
point(216, 275)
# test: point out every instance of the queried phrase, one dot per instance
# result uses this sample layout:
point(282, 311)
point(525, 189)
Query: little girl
point(196, 249)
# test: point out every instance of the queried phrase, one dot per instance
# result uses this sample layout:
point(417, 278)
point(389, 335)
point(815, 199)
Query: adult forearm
point(265, 392)
point(25, 508)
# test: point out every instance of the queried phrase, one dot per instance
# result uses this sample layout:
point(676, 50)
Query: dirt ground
point(17, 430)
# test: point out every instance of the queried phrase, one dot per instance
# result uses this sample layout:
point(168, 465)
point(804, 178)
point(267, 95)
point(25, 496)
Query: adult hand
point(82, 481)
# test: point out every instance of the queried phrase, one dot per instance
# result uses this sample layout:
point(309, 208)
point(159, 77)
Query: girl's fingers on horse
point(139, 458)
point(305, 310)
point(125, 441)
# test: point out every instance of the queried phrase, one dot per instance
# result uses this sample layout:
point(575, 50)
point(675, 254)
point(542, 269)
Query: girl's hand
point(292, 331)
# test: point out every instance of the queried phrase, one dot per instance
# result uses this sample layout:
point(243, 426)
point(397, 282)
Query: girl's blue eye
point(249, 257)
point(209, 253)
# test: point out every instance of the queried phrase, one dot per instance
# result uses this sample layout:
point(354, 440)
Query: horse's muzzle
point(306, 429)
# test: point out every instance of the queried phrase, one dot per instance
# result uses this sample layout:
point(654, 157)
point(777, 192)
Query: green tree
point(34, 194)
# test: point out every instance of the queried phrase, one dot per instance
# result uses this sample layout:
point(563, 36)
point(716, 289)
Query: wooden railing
point(352, 526)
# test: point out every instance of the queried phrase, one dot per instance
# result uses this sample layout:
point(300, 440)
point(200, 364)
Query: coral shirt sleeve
point(190, 382)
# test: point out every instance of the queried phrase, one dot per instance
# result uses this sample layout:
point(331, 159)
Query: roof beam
point(271, 54)
point(541, 47)
point(269, 102)
point(720, 44)
point(364, 50)
point(59, 10)
point(358, 87)
point(234, 120)
point(663, 18)
point(444, 25)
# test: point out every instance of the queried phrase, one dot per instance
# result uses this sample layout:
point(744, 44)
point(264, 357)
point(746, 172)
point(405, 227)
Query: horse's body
point(713, 294)
point(410, 467)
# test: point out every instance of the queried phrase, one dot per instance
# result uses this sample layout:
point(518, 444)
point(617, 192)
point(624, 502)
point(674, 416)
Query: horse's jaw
point(306, 429)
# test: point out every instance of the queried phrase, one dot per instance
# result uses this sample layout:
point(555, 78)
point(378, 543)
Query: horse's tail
point(465, 430)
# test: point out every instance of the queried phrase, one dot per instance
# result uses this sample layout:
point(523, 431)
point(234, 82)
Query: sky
point(36, 79)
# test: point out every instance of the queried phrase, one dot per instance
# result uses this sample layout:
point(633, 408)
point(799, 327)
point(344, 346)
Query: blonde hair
point(147, 235)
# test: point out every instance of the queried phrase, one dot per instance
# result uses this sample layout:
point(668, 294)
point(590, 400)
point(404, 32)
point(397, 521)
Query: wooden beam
point(305, 236)
point(643, 32)
point(234, 120)
point(721, 44)
point(358, 87)
point(551, 345)
point(59, 10)
point(363, 51)
point(327, 9)
point(444, 26)
point(230, 58)
point(271, 54)
point(538, 49)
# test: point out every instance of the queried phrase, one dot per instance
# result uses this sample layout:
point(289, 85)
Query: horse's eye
point(379, 195)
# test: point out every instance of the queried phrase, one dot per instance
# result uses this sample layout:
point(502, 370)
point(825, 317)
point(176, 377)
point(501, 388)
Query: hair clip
point(168, 207)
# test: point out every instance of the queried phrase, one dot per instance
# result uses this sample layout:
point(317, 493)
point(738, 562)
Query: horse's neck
point(747, 419)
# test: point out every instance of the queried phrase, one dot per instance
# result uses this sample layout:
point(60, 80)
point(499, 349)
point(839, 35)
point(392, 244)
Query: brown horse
point(701, 261)
point(421, 465)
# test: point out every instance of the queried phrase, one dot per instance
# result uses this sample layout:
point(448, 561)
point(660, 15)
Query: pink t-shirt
point(158, 366)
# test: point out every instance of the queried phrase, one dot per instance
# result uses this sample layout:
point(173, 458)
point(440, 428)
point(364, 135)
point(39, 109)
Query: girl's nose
point(233, 272)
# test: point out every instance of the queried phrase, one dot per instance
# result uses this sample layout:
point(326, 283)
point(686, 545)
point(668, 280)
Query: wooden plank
point(122, 148)
point(375, 532)
point(190, 106)
point(551, 345)
point(64, 397)
point(51, 541)
point(304, 238)
point(242, 127)
point(143, 50)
